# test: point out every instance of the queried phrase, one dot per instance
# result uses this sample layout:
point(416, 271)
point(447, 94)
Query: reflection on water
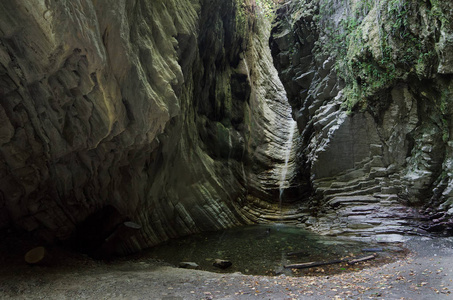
point(257, 249)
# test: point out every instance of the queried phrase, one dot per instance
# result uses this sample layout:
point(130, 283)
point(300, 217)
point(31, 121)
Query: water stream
point(248, 71)
point(255, 249)
point(284, 182)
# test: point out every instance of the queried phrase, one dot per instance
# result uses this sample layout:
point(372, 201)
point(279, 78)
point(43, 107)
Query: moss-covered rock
point(383, 66)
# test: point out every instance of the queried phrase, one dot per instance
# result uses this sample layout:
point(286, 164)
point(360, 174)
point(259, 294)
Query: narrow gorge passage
point(188, 116)
point(127, 126)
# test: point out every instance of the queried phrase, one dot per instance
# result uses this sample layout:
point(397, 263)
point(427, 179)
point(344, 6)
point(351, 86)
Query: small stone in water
point(188, 265)
point(222, 264)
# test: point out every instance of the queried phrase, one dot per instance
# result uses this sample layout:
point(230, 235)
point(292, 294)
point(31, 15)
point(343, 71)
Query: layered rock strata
point(369, 83)
point(165, 113)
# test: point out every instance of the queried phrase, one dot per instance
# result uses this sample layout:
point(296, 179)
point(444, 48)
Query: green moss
point(368, 65)
point(241, 18)
point(436, 11)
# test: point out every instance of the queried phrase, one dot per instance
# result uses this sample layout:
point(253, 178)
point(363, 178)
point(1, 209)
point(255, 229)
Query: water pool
point(257, 249)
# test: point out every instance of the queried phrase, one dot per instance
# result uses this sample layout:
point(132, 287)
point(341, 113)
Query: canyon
point(182, 116)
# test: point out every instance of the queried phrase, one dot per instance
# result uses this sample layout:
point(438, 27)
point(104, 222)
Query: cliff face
point(171, 114)
point(369, 83)
point(149, 111)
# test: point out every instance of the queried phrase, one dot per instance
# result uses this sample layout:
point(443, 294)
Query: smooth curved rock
point(169, 112)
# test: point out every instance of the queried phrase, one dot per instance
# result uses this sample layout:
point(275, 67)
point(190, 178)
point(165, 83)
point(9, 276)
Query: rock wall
point(369, 83)
point(165, 113)
point(170, 114)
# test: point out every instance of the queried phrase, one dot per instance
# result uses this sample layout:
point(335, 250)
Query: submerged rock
point(222, 263)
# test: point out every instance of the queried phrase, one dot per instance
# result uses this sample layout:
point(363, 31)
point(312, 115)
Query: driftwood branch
point(313, 264)
point(349, 261)
point(361, 259)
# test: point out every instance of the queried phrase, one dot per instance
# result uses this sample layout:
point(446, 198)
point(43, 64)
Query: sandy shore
point(426, 273)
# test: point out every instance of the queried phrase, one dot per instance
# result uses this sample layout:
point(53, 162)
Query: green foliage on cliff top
point(377, 43)
point(249, 9)
point(266, 8)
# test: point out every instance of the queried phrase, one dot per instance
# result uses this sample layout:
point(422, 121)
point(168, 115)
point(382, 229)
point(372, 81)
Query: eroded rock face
point(370, 88)
point(158, 111)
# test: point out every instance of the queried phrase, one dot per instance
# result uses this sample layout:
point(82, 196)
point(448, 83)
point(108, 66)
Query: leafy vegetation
point(370, 59)
point(266, 8)
point(242, 17)
point(247, 11)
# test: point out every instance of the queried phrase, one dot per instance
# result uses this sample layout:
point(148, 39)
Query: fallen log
point(361, 259)
point(314, 264)
point(349, 261)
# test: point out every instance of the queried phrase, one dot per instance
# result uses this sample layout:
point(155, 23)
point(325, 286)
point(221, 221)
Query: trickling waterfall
point(284, 182)
point(248, 71)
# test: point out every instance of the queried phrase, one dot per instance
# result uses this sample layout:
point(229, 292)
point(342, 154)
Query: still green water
point(257, 249)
